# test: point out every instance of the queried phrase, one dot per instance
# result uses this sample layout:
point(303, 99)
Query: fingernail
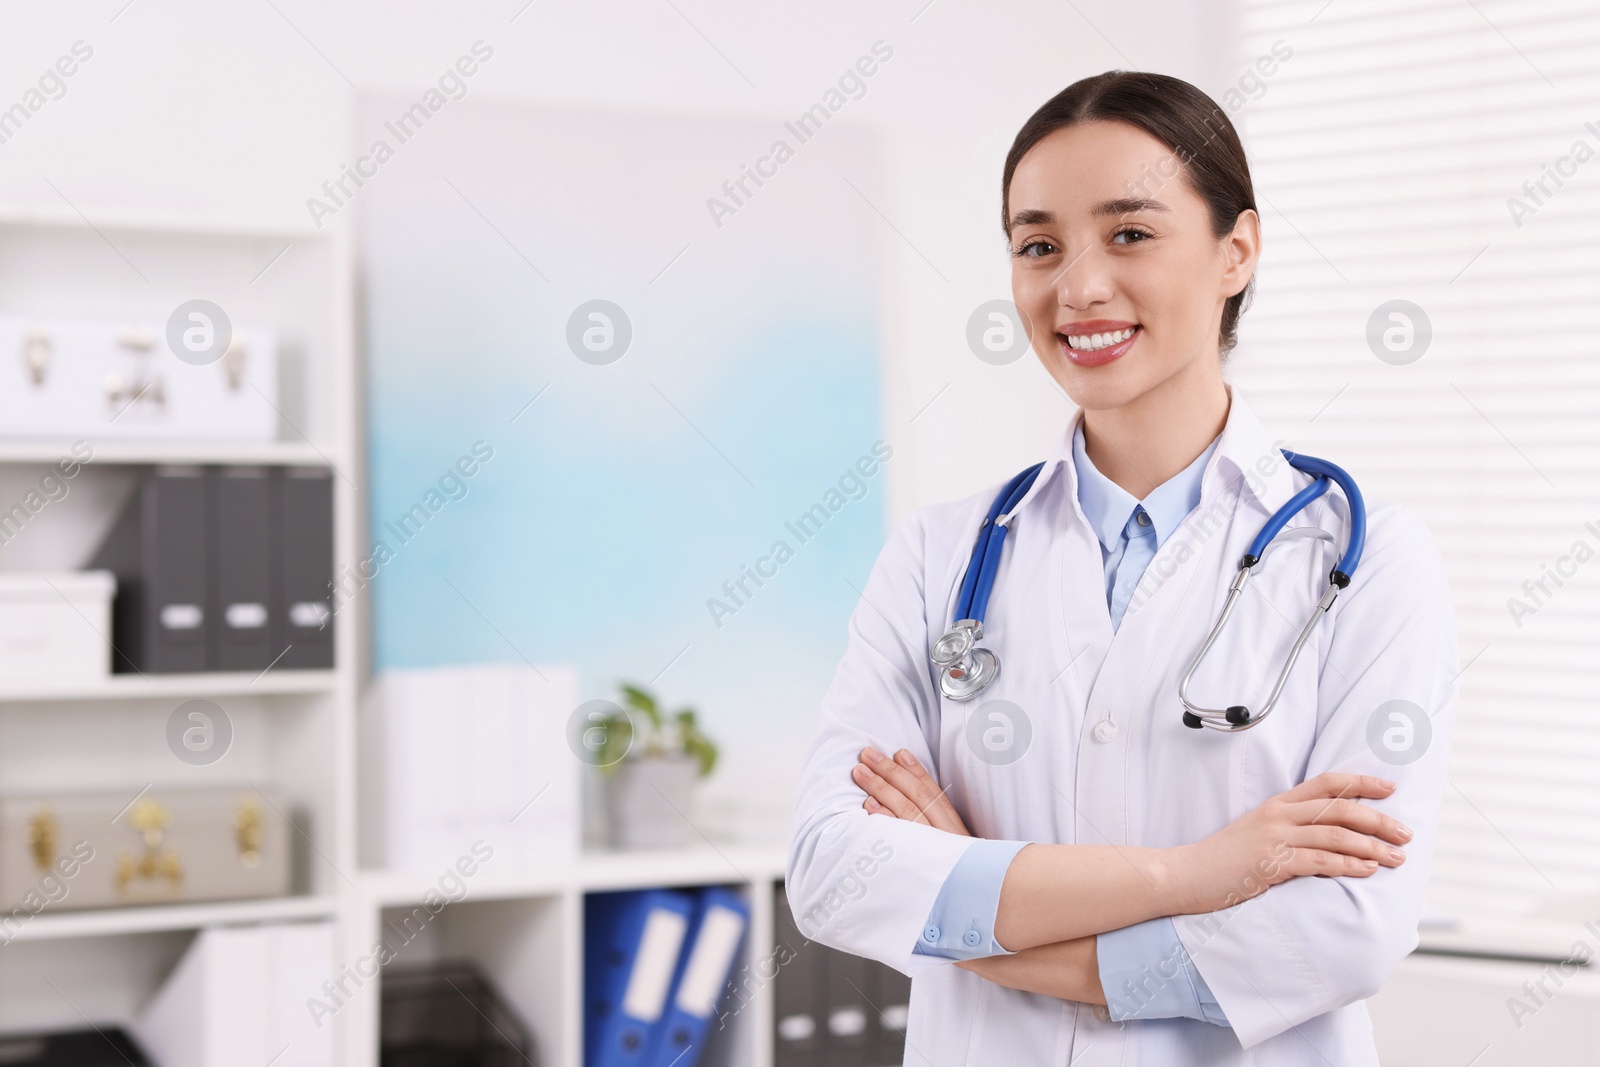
point(1369, 865)
point(872, 753)
point(1403, 833)
point(1388, 783)
point(903, 757)
point(1396, 855)
point(863, 771)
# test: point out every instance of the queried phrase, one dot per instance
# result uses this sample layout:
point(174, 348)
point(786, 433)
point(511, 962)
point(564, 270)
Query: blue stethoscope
point(965, 670)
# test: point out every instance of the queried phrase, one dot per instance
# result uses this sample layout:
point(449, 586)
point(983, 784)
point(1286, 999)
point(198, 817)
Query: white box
point(243, 997)
point(454, 755)
point(55, 626)
point(63, 378)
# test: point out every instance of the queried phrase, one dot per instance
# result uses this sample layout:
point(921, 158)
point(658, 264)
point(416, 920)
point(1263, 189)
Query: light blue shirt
point(1144, 969)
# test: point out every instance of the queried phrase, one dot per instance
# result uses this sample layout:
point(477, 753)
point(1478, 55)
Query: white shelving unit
point(525, 929)
point(293, 730)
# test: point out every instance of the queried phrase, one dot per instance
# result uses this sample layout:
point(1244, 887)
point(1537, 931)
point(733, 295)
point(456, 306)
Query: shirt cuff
point(1146, 974)
point(961, 924)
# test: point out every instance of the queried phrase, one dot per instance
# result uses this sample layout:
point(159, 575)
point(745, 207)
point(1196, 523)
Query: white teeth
point(1090, 342)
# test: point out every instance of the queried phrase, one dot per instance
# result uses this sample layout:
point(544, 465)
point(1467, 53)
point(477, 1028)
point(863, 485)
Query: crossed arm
point(1318, 828)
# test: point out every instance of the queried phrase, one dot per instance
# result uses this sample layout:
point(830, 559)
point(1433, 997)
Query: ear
point(1241, 251)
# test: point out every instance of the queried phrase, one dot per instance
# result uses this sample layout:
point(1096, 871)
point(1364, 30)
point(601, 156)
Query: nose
point(1083, 280)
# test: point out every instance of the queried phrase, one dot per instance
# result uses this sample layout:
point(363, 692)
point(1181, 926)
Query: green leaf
point(702, 749)
point(615, 743)
point(642, 701)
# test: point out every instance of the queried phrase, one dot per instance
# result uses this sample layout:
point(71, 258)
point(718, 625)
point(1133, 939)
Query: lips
point(1096, 342)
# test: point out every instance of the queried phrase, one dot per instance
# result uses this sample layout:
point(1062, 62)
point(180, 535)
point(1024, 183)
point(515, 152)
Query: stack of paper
point(455, 755)
point(242, 996)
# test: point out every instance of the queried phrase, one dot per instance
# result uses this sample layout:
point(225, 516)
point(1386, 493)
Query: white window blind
point(1386, 153)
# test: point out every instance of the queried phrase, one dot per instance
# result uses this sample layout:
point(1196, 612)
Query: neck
point(1147, 441)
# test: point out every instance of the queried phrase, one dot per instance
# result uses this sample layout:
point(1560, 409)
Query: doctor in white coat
point(1070, 874)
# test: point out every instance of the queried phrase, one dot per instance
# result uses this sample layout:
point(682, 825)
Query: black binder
point(847, 1018)
point(833, 1009)
point(157, 549)
point(302, 530)
point(798, 1029)
point(891, 1005)
point(240, 618)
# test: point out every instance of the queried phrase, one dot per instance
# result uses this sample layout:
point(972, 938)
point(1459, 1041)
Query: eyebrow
point(1125, 205)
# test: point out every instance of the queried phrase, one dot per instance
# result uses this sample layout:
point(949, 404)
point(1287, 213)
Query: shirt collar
point(1245, 460)
point(1107, 505)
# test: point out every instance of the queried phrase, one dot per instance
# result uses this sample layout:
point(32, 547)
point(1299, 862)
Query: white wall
point(235, 111)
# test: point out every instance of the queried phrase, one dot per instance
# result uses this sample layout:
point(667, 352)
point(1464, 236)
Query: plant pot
point(650, 802)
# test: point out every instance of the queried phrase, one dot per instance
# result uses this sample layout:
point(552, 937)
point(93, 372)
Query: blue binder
point(632, 943)
point(720, 921)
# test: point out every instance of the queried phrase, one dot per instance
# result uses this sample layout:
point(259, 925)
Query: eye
point(1132, 231)
point(1034, 248)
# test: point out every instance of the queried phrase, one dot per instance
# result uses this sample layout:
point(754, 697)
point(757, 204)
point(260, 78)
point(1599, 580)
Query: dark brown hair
point(1178, 115)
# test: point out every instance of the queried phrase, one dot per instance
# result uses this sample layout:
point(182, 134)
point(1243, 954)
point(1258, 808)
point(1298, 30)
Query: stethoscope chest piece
point(964, 668)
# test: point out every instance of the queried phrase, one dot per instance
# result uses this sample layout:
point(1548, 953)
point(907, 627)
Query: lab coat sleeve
point(860, 883)
point(1312, 944)
point(1146, 974)
point(961, 924)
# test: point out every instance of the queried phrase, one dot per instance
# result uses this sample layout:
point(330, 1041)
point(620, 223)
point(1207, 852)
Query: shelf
point(1503, 938)
point(703, 864)
point(161, 917)
point(286, 453)
point(183, 225)
point(167, 686)
point(700, 864)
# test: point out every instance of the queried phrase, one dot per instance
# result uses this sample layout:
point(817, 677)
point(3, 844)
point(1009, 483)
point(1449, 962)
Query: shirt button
point(1105, 730)
point(1144, 519)
point(971, 938)
point(931, 935)
point(1102, 1013)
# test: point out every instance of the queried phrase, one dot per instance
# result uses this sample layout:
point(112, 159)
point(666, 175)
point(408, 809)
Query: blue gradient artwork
point(694, 510)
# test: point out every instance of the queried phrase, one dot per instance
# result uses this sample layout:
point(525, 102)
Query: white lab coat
point(1289, 968)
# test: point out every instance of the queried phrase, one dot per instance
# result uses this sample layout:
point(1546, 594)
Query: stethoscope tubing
point(985, 561)
point(978, 582)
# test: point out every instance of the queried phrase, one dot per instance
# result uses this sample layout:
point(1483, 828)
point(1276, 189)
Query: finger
point(874, 808)
point(1313, 861)
point(884, 792)
point(1340, 784)
point(1353, 814)
point(920, 791)
point(1346, 842)
point(910, 763)
point(942, 813)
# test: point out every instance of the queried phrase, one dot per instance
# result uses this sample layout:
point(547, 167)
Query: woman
point(1072, 874)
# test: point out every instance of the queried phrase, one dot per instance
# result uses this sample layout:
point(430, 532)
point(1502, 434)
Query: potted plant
point(650, 762)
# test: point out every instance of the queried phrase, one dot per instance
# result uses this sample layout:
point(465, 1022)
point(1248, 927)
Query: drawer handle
point(43, 831)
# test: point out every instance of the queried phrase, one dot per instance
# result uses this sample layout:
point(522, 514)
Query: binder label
point(663, 937)
point(707, 970)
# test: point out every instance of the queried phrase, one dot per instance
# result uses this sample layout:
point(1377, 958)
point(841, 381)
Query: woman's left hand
point(902, 788)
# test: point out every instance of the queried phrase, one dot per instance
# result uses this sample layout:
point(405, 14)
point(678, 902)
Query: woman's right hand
point(1318, 827)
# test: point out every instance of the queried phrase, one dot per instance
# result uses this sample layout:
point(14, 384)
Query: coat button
point(1105, 730)
point(931, 935)
point(971, 938)
point(1102, 1013)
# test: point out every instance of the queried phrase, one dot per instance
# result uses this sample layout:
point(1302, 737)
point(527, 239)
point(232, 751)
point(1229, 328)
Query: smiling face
point(1114, 265)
